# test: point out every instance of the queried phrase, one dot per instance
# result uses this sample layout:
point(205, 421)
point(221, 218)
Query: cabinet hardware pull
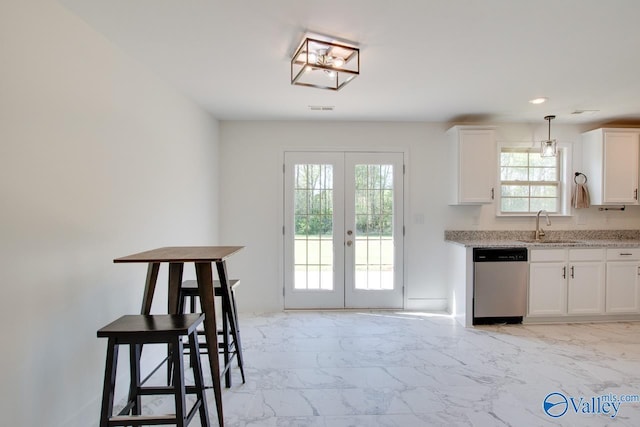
point(492, 194)
point(625, 254)
point(564, 272)
point(635, 194)
point(572, 271)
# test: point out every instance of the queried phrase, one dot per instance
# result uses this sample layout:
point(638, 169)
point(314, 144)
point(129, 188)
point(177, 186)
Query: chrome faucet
point(540, 231)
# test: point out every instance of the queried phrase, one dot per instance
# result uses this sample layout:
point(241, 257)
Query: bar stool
point(136, 330)
point(230, 346)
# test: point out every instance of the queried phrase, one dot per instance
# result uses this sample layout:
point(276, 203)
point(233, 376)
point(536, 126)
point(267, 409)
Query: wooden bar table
point(202, 257)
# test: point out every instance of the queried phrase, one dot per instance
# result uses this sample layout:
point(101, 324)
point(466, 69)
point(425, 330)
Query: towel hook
point(575, 179)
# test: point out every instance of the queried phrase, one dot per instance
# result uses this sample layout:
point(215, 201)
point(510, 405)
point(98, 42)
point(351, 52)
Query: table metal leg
point(173, 301)
point(149, 287)
point(204, 276)
point(175, 280)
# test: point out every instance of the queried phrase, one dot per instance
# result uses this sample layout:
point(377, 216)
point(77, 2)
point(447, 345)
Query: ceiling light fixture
point(324, 65)
point(548, 148)
point(538, 100)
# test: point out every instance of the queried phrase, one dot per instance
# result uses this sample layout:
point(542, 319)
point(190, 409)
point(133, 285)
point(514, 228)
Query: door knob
point(349, 243)
point(349, 232)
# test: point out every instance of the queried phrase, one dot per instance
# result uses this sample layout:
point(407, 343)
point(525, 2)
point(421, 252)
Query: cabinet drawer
point(547, 255)
point(586, 254)
point(623, 254)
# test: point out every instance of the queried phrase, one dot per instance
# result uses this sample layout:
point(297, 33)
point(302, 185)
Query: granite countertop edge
point(503, 243)
point(563, 239)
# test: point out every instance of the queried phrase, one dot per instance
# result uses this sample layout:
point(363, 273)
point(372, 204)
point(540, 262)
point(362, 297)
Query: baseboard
point(428, 304)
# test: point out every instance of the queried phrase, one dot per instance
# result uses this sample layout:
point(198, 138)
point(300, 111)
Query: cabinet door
point(477, 167)
point(586, 288)
point(547, 289)
point(620, 167)
point(621, 294)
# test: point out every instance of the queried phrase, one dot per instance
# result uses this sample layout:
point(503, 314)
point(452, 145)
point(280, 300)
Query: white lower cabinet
point(586, 288)
point(623, 281)
point(547, 289)
point(566, 282)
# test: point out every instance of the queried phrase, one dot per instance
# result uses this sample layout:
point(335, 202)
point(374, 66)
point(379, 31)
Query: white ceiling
point(421, 60)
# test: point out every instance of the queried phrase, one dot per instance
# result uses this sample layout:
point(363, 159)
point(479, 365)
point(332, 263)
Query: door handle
point(564, 272)
point(572, 271)
point(349, 242)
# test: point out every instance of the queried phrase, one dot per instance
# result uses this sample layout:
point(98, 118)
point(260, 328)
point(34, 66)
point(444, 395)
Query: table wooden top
point(183, 254)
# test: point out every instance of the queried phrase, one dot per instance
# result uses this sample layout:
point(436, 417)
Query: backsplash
point(458, 235)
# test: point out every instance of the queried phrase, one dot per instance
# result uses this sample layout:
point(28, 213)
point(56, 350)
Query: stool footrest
point(146, 391)
point(142, 420)
point(138, 420)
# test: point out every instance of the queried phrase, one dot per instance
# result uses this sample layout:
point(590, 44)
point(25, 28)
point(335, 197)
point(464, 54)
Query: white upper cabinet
point(472, 157)
point(610, 162)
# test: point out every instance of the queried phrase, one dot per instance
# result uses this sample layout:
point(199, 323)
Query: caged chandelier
point(324, 65)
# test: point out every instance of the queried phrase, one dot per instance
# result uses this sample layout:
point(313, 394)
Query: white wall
point(251, 168)
point(251, 188)
point(98, 159)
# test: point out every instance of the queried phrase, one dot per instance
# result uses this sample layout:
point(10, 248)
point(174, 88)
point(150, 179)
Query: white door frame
point(400, 199)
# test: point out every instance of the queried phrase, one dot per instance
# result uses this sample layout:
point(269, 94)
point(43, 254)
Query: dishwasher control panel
point(499, 254)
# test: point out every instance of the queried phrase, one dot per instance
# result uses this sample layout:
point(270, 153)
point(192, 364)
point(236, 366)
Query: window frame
point(564, 180)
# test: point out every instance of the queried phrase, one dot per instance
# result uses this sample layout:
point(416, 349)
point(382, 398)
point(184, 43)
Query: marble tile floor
point(404, 369)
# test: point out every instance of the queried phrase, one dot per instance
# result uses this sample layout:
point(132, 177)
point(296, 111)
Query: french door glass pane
point(374, 231)
point(313, 219)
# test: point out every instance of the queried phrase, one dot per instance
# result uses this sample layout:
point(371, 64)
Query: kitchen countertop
point(503, 243)
point(553, 239)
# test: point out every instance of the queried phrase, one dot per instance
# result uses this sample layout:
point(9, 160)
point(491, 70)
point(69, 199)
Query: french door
point(343, 230)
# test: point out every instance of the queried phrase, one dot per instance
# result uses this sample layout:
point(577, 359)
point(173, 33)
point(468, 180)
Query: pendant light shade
point(548, 148)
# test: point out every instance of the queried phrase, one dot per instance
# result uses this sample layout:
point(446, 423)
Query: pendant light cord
point(549, 118)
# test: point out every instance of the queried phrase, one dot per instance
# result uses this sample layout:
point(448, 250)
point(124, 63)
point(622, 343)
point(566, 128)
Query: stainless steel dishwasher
point(500, 285)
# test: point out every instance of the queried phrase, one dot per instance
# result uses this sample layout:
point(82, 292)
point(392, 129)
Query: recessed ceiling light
point(537, 100)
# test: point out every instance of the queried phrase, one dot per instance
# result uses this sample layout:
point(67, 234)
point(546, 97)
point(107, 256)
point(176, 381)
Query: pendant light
point(548, 148)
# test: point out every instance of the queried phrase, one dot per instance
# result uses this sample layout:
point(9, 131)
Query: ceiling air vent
point(321, 107)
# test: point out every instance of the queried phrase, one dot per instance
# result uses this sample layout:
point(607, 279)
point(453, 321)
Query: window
point(529, 182)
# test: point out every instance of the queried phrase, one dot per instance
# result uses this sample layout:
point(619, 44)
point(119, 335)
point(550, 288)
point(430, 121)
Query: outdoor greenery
point(314, 200)
point(529, 182)
point(313, 216)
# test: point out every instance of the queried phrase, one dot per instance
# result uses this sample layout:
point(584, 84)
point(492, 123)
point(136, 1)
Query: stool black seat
point(230, 347)
point(136, 330)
